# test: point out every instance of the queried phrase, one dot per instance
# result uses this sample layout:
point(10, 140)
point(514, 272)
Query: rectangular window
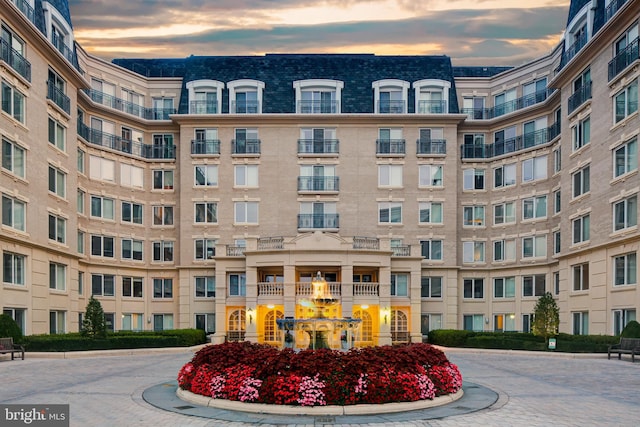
point(534, 169)
point(80, 284)
point(430, 175)
point(430, 287)
point(581, 277)
point(162, 322)
point(625, 158)
point(57, 182)
point(102, 207)
point(557, 242)
point(101, 169)
point(57, 322)
point(13, 268)
point(557, 160)
point(131, 176)
point(504, 287)
point(581, 182)
point(237, 285)
point(556, 282)
point(430, 213)
point(102, 246)
point(163, 288)
point(205, 249)
point(624, 270)
point(473, 288)
point(625, 213)
point(431, 249)
point(533, 286)
point(389, 213)
point(625, 102)
point(13, 102)
point(581, 133)
point(57, 276)
point(473, 216)
point(580, 322)
point(472, 252)
point(13, 213)
point(390, 176)
point(206, 213)
point(80, 201)
point(534, 247)
point(132, 212)
point(504, 213)
point(163, 215)
point(473, 179)
point(80, 242)
point(581, 229)
point(57, 134)
point(504, 176)
point(527, 320)
point(80, 161)
point(205, 287)
point(163, 180)
point(534, 207)
point(206, 322)
point(557, 202)
point(504, 322)
point(246, 176)
point(132, 249)
point(504, 250)
point(473, 322)
point(13, 158)
point(103, 284)
point(132, 287)
point(399, 285)
point(163, 251)
point(621, 318)
point(57, 229)
point(132, 321)
point(246, 212)
point(206, 175)
point(430, 322)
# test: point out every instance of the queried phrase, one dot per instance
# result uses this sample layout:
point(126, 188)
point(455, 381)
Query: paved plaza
point(533, 389)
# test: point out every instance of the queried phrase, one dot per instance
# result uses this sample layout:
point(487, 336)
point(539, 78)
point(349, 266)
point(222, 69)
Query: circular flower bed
point(249, 372)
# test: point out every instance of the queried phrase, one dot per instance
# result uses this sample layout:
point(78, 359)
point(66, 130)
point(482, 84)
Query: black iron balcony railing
point(58, 97)
point(579, 97)
point(392, 107)
point(245, 107)
point(432, 107)
point(508, 107)
point(390, 146)
point(318, 107)
point(129, 107)
point(623, 59)
point(511, 145)
point(612, 8)
point(318, 146)
point(15, 60)
point(207, 146)
point(245, 146)
point(573, 50)
point(64, 49)
point(26, 10)
point(114, 142)
point(318, 183)
point(203, 107)
point(431, 146)
point(318, 221)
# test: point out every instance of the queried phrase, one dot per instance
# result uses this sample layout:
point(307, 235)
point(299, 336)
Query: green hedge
point(117, 340)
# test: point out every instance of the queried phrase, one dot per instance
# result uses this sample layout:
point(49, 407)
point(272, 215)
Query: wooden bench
point(625, 346)
point(7, 346)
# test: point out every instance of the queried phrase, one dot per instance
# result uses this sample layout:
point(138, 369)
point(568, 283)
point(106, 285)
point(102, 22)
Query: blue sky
point(478, 32)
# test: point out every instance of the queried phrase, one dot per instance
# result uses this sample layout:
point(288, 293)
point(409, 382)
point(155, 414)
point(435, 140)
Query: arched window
point(236, 326)
point(318, 96)
point(365, 333)
point(431, 96)
point(271, 331)
point(205, 96)
point(245, 96)
point(399, 326)
point(390, 96)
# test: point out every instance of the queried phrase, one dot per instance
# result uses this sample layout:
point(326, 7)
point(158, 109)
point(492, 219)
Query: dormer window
point(318, 96)
point(205, 96)
point(390, 96)
point(60, 31)
point(245, 96)
point(577, 33)
point(431, 96)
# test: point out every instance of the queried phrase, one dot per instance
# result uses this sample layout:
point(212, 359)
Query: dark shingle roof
point(478, 71)
point(279, 71)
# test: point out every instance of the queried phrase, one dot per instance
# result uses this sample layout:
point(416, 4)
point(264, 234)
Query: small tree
point(93, 325)
point(9, 328)
point(546, 317)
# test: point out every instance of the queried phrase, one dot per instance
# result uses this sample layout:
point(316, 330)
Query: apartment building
point(207, 192)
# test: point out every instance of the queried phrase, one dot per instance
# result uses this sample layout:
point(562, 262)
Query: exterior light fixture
point(250, 313)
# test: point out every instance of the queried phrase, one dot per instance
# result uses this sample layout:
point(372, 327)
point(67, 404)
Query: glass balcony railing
point(318, 183)
point(392, 107)
point(65, 50)
point(245, 107)
point(391, 146)
point(318, 107)
point(208, 146)
point(573, 50)
point(511, 145)
point(245, 146)
point(58, 97)
point(432, 107)
point(318, 146)
point(114, 142)
point(203, 107)
point(15, 60)
point(129, 107)
point(26, 10)
point(431, 146)
point(579, 97)
point(622, 60)
point(318, 221)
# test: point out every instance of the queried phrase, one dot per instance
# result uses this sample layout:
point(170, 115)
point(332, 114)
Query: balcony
point(623, 59)
point(318, 146)
point(235, 250)
point(235, 336)
point(305, 289)
point(203, 107)
point(612, 9)
point(26, 10)
point(572, 51)
point(432, 107)
point(431, 146)
point(366, 289)
point(319, 221)
point(400, 337)
point(511, 145)
point(114, 142)
point(392, 107)
point(318, 183)
point(245, 107)
point(245, 146)
point(371, 243)
point(270, 243)
point(318, 107)
point(207, 146)
point(508, 107)
point(579, 97)
point(270, 289)
point(401, 251)
point(58, 97)
point(15, 60)
point(390, 146)
point(64, 49)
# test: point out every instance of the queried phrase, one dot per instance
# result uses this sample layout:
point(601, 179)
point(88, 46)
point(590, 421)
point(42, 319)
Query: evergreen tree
point(93, 325)
point(546, 317)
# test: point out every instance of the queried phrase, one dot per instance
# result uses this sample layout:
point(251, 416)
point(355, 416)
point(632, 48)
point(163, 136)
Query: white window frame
point(473, 252)
point(244, 86)
point(389, 208)
point(99, 248)
point(206, 85)
point(534, 169)
point(163, 216)
point(580, 321)
point(390, 176)
point(57, 276)
point(625, 158)
point(57, 229)
point(57, 134)
point(400, 288)
point(101, 169)
point(507, 178)
point(14, 268)
point(506, 217)
point(102, 210)
point(209, 174)
point(246, 212)
point(431, 249)
point(17, 208)
point(431, 176)
point(470, 179)
point(204, 249)
point(581, 181)
point(625, 269)
point(15, 163)
point(132, 249)
point(473, 288)
point(535, 290)
point(390, 85)
point(504, 250)
point(473, 216)
point(246, 176)
point(99, 283)
point(438, 85)
point(581, 229)
point(163, 250)
point(16, 112)
point(206, 285)
point(162, 288)
point(241, 285)
point(625, 96)
point(136, 212)
point(430, 212)
point(506, 287)
point(580, 277)
point(319, 85)
point(57, 182)
point(208, 212)
point(581, 133)
point(625, 213)
point(537, 244)
point(535, 202)
point(431, 286)
point(163, 179)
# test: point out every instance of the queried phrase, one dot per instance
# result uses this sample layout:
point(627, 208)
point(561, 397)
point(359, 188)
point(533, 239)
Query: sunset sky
point(480, 32)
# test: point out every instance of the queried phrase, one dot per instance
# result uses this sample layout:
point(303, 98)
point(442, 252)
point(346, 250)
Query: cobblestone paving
point(534, 389)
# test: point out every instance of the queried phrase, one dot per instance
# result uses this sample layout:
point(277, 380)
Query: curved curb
point(364, 409)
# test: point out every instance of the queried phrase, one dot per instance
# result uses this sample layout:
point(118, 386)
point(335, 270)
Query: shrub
point(449, 337)
point(9, 328)
point(76, 342)
point(93, 324)
point(632, 330)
